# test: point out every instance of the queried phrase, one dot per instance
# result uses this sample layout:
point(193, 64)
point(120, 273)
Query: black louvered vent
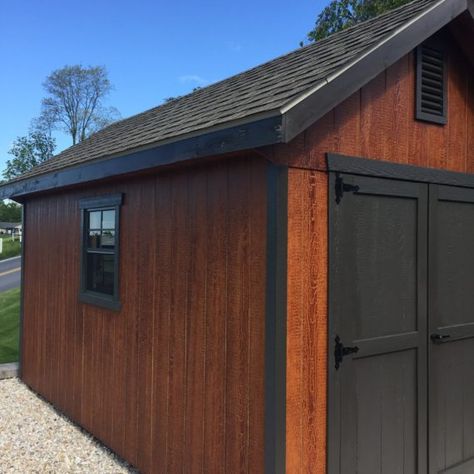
point(431, 85)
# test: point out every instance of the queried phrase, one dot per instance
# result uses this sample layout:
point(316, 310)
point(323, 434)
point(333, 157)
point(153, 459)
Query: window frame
point(100, 203)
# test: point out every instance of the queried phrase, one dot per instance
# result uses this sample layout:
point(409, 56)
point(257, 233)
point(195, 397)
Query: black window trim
point(420, 114)
point(111, 201)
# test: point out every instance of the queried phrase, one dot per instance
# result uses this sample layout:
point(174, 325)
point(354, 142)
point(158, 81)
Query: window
point(431, 103)
point(100, 251)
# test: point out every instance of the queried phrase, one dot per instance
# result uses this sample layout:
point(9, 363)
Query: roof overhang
point(281, 127)
point(243, 137)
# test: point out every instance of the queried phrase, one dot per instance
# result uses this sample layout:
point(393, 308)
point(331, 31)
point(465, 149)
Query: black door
point(378, 327)
point(451, 309)
point(401, 373)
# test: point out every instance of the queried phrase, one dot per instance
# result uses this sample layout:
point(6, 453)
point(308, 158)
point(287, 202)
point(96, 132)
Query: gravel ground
point(34, 438)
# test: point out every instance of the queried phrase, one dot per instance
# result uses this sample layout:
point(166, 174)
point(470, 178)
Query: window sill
point(97, 300)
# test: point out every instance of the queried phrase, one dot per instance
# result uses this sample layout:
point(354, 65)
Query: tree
point(75, 101)
point(27, 152)
point(341, 14)
point(10, 212)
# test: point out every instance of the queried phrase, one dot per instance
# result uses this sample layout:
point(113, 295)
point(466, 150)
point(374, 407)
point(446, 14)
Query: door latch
point(439, 338)
point(340, 351)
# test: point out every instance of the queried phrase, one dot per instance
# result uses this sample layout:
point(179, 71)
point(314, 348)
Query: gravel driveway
point(34, 438)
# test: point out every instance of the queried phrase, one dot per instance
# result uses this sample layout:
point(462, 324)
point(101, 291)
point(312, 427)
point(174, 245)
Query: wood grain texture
point(307, 322)
point(174, 381)
point(378, 122)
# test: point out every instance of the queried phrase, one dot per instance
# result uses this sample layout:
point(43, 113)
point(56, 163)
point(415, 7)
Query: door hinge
point(340, 351)
point(342, 188)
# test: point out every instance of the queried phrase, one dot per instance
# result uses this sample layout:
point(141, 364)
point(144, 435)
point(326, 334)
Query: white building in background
point(10, 228)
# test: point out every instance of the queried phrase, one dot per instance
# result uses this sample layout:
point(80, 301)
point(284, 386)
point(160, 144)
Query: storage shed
point(274, 273)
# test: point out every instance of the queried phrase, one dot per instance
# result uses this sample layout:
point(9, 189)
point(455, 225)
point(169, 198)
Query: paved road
point(10, 274)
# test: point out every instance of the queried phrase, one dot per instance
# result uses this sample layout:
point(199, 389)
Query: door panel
point(377, 396)
point(452, 320)
point(381, 240)
point(386, 411)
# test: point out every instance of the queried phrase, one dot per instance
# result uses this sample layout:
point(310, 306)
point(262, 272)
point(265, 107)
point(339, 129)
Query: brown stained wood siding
point(378, 122)
point(175, 380)
point(306, 322)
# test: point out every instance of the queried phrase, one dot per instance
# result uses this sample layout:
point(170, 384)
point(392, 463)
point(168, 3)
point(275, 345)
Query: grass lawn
point(9, 325)
point(10, 248)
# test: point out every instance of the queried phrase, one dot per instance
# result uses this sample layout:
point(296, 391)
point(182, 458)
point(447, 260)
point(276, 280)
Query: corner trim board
point(275, 320)
point(332, 420)
point(22, 291)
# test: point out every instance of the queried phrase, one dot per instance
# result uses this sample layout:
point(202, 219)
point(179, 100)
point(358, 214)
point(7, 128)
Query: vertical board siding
point(306, 322)
point(378, 122)
point(174, 381)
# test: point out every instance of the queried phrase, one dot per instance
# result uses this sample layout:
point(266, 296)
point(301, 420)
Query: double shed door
point(401, 371)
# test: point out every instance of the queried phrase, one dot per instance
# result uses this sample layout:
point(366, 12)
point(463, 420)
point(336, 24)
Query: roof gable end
point(305, 110)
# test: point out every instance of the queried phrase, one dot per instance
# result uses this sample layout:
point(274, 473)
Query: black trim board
point(275, 320)
point(22, 291)
point(244, 137)
point(331, 434)
point(299, 117)
point(101, 201)
point(385, 169)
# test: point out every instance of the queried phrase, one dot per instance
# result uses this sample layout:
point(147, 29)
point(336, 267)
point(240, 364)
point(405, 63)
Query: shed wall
point(175, 380)
point(377, 122)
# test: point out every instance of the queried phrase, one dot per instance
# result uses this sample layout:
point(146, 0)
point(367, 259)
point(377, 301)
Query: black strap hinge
point(342, 188)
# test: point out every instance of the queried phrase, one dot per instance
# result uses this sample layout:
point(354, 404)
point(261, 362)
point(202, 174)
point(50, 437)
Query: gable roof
point(268, 104)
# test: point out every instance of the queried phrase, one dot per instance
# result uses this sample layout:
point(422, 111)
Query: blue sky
point(151, 49)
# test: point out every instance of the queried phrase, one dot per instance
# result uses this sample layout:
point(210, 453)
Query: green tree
point(341, 14)
point(27, 152)
point(75, 101)
point(10, 212)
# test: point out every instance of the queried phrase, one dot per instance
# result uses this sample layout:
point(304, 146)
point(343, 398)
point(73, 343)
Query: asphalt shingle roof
point(261, 91)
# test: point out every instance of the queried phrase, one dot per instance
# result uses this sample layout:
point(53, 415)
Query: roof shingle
point(258, 92)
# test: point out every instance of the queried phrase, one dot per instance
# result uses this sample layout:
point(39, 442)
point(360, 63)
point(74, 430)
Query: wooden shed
point(274, 273)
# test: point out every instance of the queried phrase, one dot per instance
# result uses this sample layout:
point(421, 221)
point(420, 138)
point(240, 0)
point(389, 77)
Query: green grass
point(9, 325)
point(10, 248)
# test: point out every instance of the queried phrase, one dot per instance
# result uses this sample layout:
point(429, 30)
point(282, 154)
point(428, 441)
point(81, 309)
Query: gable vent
point(431, 85)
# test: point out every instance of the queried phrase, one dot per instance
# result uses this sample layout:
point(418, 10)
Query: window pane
point(100, 273)
point(98, 239)
point(108, 239)
point(108, 219)
point(94, 239)
point(94, 219)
